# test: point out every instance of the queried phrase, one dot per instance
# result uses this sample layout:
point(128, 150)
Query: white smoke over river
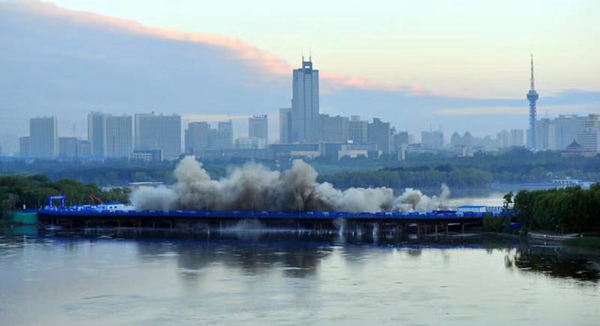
point(255, 188)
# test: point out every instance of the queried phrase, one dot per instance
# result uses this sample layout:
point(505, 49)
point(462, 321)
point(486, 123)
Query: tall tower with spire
point(305, 104)
point(532, 97)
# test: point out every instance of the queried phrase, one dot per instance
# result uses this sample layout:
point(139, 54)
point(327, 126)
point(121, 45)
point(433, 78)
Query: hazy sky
point(451, 65)
point(458, 48)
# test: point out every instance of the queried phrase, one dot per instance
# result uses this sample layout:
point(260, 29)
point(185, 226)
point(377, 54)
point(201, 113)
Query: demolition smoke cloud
point(253, 187)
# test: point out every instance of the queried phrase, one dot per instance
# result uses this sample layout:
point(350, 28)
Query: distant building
point(258, 128)
point(400, 140)
point(358, 130)
point(158, 132)
point(305, 104)
point(24, 146)
point(380, 133)
point(68, 147)
point(456, 140)
point(285, 126)
point(119, 136)
point(567, 128)
point(333, 129)
point(147, 155)
point(43, 137)
point(97, 133)
point(468, 140)
point(576, 150)
point(517, 137)
point(196, 137)
point(432, 140)
point(588, 138)
point(224, 136)
point(546, 135)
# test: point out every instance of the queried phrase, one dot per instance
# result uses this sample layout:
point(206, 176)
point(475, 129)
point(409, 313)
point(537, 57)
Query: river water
point(287, 279)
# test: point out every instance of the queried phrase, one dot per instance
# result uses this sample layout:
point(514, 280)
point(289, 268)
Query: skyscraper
point(305, 104)
point(532, 97)
point(158, 132)
point(43, 137)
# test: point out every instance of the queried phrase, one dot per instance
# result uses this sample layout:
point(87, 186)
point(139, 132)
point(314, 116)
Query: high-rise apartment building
point(546, 135)
point(305, 104)
point(589, 138)
point(567, 128)
point(97, 133)
point(162, 132)
point(358, 130)
point(119, 136)
point(258, 129)
point(43, 137)
point(380, 133)
point(285, 126)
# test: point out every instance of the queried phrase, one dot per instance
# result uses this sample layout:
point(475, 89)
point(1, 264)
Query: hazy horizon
point(69, 58)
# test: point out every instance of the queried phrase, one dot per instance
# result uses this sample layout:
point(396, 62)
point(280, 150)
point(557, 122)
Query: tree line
point(416, 177)
point(18, 192)
point(567, 210)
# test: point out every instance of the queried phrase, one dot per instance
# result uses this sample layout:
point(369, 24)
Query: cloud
point(275, 66)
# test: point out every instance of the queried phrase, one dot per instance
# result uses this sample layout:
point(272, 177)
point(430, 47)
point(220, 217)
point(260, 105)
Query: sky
point(450, 65)
point(458, 48)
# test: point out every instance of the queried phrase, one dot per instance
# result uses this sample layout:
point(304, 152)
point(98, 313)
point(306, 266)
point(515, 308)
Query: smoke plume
point(253, 187)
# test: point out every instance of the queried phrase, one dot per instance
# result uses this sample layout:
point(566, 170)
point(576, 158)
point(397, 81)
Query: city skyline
point(161, 74)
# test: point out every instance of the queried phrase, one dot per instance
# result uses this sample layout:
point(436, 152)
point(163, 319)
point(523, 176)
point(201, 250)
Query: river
point(289, 279)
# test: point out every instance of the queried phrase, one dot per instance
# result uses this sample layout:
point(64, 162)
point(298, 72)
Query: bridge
point(208, 220)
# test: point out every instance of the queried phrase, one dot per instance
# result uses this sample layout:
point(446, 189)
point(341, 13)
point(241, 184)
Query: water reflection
point(554, 261)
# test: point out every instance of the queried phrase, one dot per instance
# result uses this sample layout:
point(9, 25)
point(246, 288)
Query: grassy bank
point(589, 243)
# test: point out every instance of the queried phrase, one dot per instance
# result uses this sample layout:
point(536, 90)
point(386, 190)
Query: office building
point(305, 104)
point(153, 132)
point(43, 137)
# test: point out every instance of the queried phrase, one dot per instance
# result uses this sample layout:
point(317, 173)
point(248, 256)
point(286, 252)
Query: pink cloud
point(274, 65)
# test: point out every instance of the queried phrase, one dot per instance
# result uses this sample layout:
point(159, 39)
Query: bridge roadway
point(200, 220)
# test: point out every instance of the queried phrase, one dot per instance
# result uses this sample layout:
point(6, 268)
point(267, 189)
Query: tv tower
point(532, 97)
